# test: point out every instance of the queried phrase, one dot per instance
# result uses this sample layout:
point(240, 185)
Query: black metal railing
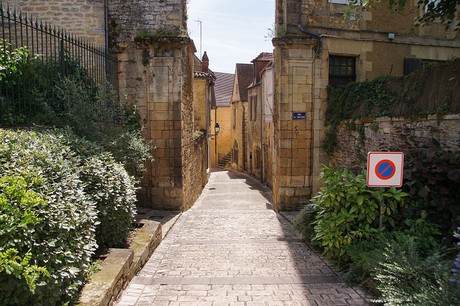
point(53, 53)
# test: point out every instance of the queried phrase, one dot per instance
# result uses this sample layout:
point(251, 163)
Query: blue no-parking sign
point(385, 169)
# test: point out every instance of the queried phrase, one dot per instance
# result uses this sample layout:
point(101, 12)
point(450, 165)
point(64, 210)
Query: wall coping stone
point(120, 266)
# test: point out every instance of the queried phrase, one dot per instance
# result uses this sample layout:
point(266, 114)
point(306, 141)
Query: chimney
point(205, 63)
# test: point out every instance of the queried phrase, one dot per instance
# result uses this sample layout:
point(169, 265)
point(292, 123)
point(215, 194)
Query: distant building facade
point(239, 101)
point(221, 114)
point(255, 116)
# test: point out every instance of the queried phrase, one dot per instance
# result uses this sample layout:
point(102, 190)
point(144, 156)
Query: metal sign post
point(384, 169)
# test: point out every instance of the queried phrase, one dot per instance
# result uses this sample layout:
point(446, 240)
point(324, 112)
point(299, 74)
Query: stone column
point(295, 65)
point(155, 76)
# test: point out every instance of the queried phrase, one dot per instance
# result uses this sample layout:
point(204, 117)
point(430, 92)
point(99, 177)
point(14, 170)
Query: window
point(342, 70)
point(234, 117)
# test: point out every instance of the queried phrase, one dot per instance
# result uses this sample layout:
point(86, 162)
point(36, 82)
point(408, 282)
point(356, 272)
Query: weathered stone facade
point(391, 134)
point(379, 44)
point(239, 102)
point(156, 75)
point(84, 18)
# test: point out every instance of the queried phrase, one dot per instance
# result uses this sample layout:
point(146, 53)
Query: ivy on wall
point(430, 90)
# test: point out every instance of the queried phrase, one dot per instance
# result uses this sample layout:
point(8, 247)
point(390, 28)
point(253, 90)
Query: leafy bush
point(113, 191)
point(304, 221)
point(348, 210)
point(108, 185)
point(431, 178)
point(405, 277)
point(365, 255)
point(17, 218)
point(61, 239)
point(67, 97)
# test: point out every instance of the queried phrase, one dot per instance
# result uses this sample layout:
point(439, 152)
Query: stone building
point(204, 99)
point(255, 113)
point(239, 100)
point(315, 46)
point(155, 73)
point(268, 135)
point(221, 142)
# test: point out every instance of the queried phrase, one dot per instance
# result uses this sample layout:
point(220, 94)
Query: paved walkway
point(231, 248)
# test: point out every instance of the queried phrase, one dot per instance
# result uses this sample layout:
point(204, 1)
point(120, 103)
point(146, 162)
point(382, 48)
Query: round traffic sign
point(385, 169)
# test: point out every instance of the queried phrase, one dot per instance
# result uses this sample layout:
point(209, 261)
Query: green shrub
point(431, 176)
point(113, 191)
point(18, 276)
point(365, 255)
point(61, 239)
point(404, 277)
point(67, 97)
point(348, 210)
point(109, 185)
point(304, 221)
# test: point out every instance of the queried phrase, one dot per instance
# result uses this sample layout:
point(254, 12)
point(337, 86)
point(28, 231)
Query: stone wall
point(356, 139)
point(295, 67)
point(327, 14)
point(84, 18)
point(130, 18)
point(155, 64)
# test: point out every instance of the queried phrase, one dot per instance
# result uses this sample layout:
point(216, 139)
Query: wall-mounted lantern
point(216, 129)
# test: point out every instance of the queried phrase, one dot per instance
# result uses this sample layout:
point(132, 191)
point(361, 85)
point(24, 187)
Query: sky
point(233, 31)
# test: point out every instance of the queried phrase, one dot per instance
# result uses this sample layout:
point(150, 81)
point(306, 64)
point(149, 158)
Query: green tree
point(442, 10)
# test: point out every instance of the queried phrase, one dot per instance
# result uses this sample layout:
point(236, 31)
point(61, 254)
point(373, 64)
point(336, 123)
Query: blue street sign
point(299, 115)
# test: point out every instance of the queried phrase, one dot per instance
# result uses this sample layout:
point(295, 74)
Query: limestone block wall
point(325, 14)
point(295, 65)
point(155, 73)
point(85, 18)
point(129, 18)
point(391, 134)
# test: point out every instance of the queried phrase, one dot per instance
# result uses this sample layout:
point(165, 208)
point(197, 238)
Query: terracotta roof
point(264, 56)
point(223, 87)
point(245, 76)
point(198, 71)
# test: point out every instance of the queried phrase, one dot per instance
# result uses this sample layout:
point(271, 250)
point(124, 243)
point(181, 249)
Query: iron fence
point(55, 54)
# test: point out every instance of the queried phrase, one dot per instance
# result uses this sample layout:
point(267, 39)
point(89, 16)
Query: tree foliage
point(442, 10)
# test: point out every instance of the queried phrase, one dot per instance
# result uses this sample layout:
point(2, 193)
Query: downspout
point(304, 30)
point(261, 129)
point(106, 26)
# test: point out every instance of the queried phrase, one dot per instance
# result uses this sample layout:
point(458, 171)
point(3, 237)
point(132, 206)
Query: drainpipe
point(261, 103)
point(304, 30)
point(106, 26)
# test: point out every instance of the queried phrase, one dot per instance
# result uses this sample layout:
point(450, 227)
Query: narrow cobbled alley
point(231, 248)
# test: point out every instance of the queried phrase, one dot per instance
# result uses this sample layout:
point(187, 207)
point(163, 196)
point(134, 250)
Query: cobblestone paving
point(231, 248)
